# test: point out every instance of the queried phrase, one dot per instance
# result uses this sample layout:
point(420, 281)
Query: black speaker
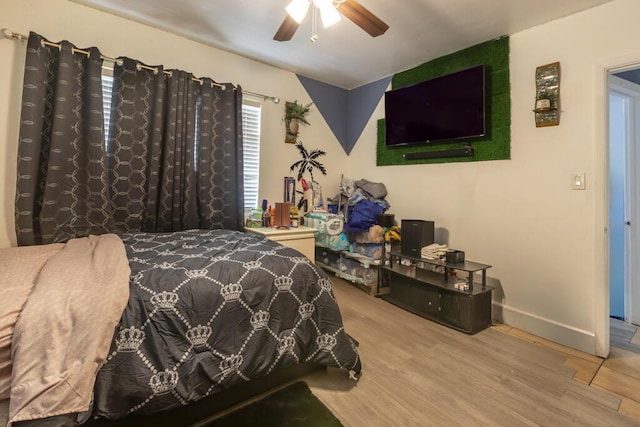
point(416, 234)
point(386, 220)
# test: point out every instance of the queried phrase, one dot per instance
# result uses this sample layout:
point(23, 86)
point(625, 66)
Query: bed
point(167, 320)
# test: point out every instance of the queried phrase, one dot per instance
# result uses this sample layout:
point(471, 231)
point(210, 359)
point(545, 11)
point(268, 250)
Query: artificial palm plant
point(294, 114)
point(295, 111)
point(308, 162)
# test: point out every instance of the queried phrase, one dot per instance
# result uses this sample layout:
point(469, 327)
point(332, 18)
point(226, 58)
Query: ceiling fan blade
point(287, 29)
point(363, 18)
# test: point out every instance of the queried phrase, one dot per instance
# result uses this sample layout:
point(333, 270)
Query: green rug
point(293, 405)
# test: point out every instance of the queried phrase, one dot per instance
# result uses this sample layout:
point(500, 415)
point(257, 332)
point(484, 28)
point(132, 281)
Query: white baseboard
point(545, 328)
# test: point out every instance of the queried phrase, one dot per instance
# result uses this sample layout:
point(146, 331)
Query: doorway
point(624, 163)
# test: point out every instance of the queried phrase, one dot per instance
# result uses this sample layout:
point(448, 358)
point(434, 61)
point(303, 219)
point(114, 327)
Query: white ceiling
point(344, 55)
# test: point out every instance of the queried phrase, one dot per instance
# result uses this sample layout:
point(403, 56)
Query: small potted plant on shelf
point(294, 114)
point(544, 100)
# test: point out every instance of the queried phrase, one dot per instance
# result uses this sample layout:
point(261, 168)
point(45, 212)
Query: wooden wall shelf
point(548, 88)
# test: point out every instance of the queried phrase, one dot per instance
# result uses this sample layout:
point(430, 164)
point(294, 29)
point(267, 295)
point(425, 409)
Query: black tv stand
point(428, 289)
point(454, 152)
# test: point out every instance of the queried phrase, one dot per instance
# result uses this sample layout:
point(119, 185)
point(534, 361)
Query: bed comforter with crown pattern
point(211, 309)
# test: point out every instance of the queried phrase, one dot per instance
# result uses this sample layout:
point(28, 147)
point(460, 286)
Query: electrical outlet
point(578, 181)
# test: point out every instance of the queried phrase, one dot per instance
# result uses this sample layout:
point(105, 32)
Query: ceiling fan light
point(329, 16)
point(297, 9)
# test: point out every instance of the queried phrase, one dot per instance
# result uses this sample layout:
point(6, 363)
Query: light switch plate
point(578, 181)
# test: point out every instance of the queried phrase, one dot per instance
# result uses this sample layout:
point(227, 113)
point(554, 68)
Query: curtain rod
point(21, 37)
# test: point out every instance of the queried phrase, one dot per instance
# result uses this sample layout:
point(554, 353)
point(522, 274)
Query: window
point(251, 147)
point(107, 86)
point(250, 133)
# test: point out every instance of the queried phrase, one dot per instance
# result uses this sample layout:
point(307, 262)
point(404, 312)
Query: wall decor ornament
point(307, 164)
point(294, 115)
point(547, 106)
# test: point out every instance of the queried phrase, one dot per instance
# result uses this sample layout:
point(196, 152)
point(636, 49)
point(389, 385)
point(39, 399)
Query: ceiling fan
point(358, 14)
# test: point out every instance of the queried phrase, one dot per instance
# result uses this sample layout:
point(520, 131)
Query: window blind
point(107, 89)
point(251, 148)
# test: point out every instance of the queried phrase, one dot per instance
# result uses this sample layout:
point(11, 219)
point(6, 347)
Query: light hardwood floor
point(419, 373)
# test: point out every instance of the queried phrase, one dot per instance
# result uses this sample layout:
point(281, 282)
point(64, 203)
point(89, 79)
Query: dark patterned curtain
point(220, 158)
point(61, 158)
point(176, 195)
point(134, 144)
point(173, 160)
point(175, 151)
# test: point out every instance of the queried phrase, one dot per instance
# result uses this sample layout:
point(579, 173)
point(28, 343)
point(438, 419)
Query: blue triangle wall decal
point(346, 112)
point(362, 101)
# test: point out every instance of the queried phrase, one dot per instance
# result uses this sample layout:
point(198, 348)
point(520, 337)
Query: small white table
point(299, 238)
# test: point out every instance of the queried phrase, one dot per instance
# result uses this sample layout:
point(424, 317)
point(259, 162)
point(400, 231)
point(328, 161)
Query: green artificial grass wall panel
point(496, 144)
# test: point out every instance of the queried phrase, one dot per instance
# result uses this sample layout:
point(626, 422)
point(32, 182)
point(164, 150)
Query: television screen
point(442, 109)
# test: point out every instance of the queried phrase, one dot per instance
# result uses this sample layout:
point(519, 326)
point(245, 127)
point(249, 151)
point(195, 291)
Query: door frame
point(632, 293)
point(601, 71)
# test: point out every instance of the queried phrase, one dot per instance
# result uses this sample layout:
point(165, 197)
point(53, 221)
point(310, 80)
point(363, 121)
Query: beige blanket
point(59, 306)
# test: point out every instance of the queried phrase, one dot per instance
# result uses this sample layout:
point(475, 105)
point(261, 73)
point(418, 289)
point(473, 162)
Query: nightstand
point(299, 238)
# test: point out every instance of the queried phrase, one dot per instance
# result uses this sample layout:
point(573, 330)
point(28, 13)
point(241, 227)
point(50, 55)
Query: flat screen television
point(443, 109)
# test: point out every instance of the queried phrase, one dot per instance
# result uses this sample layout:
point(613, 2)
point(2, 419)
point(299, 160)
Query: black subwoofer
point(416, 234)
point(386, 220)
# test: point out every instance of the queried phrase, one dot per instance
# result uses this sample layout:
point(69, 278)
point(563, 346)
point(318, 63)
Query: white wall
point(544, 240)
point(59, 19)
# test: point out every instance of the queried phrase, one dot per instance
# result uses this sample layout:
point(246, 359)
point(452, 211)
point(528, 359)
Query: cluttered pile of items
point(355, 219)
point(353, 222)
point(353, 230)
